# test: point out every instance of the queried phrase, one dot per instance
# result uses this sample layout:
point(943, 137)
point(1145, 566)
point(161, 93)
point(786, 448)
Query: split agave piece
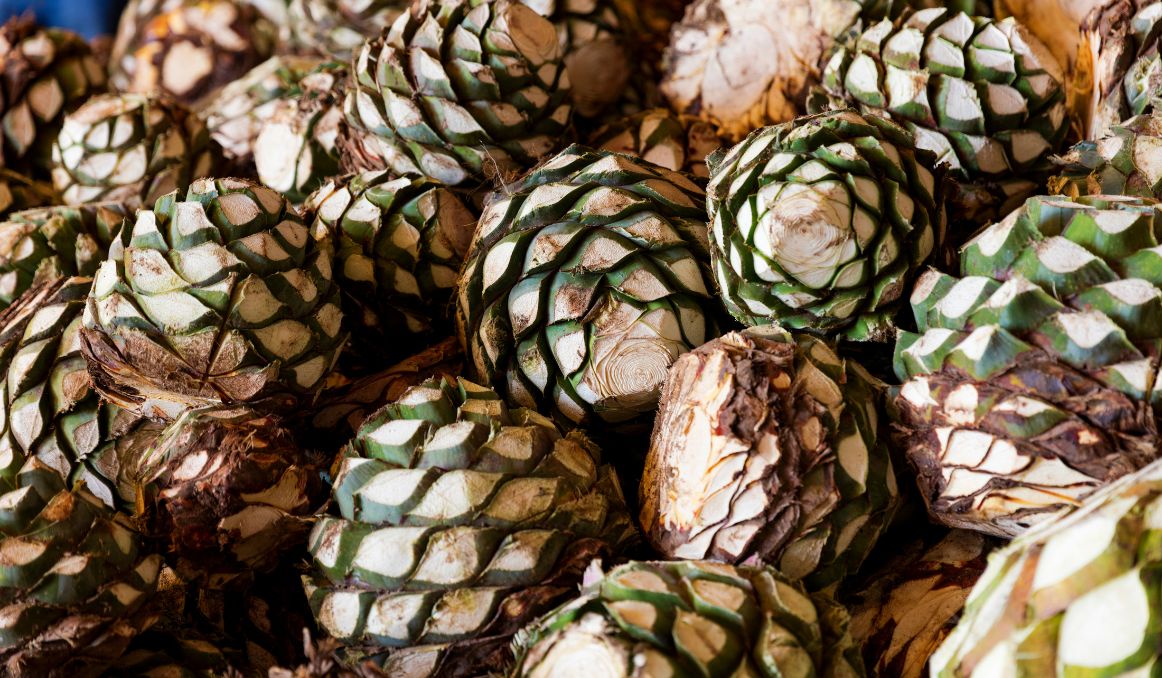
point(714, 70)
point(985, 96)
point(1075, 596)
point(129, 148)
point(243, 108)
point(216, 295)
point(400, 244)
point(335, 29)
point(341, 410)
point(229, 490)
point(587, 279)
point(48, 73)
point(76, 579)
point(46, 243)
point(19, 192)
point(1056, 23)
point(1126, 161)
point(595, 42)
point(1033, 380)
point(822, 223)
point(460, 91)
point(297, 149)
point(459, 520)
point(49, 410)
point(903, 611)
point(1119, 69)
point(766, 449)
point(191, 49)
point(676, 142)
point(690, 618)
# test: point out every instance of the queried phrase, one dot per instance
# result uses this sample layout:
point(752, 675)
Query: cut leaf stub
point(1034, 378)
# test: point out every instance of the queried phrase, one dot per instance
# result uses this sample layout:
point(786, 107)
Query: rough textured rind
point(1127, 160)
point(129, 148)
point(76, 581)
point(690, 618)
point(821, 224)
point(216, 295)
point(587, 279)
point(766, 448)
point(48, 72)
point(459, 520)
point(41, 244)
point(1034, 379)
point(335, 29)
point(229, 491)
point(190, 50)
point(491, 77)
point(400, 244)
point(900, 613)
point(1077, 595)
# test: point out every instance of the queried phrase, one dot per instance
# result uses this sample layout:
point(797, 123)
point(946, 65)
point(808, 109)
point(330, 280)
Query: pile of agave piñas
point(595, 338)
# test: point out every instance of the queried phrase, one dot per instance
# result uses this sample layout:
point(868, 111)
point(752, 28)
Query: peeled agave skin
point(459, 520)
point(129, 148)
point(76, 583)
point(47, 242)
point(336, 28)
point(689, 618)
point(494, 88)
point(587, 279)
point(596, 44)
point(191, 50)
point(240, 110)
point(657, 135)
point(821, 223)
point(50, 411)
point(765, 449)
point(1119, 68)
point(1033, 381)
point(400, 244)
point(297, 149)
point(712, 65)
point(217, 295)
point(1127, 160)
point(48, 73)
point(230, 489)
point(901, 612)
point(1077, 595)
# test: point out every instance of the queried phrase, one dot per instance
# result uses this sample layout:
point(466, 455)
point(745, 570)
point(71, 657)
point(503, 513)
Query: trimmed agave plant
point(1125, 161)
point(335, 29)
point(1033, 379)
point(459, 520)
point(676, 142)
point(191, 49)
point(229, 491)
point(48, 73)
point(712, 66)
point(985, 96)
point(587, 279)
point(491, 79)
point(46, 243)
point(766, 448)
point(690, 618)
point(400, 244)
point(822, 223)
point(1077, 595)
point(902, 611)
point(49, 410)
point(76, 581)
point(218, 295)
point(129, 148)
point(1119, 69)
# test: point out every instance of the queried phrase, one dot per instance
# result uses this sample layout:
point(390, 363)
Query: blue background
point(90, 18)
